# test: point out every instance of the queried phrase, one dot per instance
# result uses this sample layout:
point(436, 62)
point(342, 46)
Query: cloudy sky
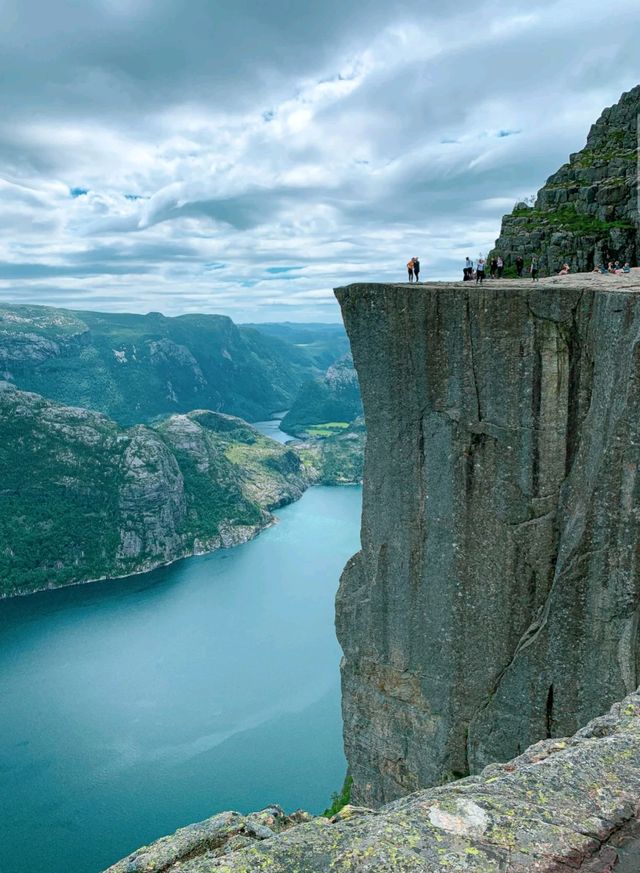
point(246, 156)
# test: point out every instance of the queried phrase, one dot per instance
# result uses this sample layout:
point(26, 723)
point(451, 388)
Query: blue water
point(132, 707)
point(272, 429)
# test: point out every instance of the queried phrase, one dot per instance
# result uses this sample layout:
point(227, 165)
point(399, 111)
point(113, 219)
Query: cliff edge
point(495, 601)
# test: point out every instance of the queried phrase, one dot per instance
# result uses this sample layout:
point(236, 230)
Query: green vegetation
point(339, 800)
point(326, 401)
point(568, 218)
point(82, 498)
point(327, 429)
point(136, 368)
point(337, 459)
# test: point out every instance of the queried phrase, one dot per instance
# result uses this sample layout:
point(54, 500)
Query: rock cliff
point(82, 498)
point(587, 212)
point(496, 598)
point(564, 805)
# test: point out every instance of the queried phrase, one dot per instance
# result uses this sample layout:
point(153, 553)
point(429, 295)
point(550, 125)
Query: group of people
point(478, 271)
point(614, 267)
point(413, 268)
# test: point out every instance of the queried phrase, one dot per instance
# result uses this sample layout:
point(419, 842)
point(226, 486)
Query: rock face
point(82, 498)
point(496, 598)
point(564, 805)
point(587, 212)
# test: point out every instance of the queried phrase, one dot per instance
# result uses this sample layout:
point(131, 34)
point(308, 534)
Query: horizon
point(244, 161)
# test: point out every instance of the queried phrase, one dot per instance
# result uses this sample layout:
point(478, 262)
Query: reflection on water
point(132, 707)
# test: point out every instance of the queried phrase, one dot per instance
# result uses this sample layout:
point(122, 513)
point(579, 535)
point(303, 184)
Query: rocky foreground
point(564, 805)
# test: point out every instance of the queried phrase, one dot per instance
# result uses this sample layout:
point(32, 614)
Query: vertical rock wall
point(495, 599)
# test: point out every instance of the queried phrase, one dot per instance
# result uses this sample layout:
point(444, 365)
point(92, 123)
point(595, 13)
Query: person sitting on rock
point(410, 269)
point(626, 268)
point(610, 267)
point(416, 268)
point(566, 269)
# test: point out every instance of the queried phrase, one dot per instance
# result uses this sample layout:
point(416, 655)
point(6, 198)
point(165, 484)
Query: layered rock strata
point(495, 601)
point(564, 805)
point(587, 213)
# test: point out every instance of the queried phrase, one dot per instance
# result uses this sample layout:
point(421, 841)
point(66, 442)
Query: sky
point(247, 157)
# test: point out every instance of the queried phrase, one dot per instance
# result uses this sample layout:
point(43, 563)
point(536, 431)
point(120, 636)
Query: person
point(626, 268)
point(500, 264)
point(533, 269)
point(566, 269)
point(416, 268)
point(494, 268)
point(480, 271)
point(467, 271)
point(519, 266)
point(410, 269)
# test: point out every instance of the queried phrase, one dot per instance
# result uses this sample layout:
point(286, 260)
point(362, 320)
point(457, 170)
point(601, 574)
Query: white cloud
point(205, 152)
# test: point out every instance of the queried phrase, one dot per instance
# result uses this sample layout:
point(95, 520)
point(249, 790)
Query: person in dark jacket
point(519, 266)
point(416, 268)
point(494, 268)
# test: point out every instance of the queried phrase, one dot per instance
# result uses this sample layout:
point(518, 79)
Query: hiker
point(500, 265)
point(467, 271)
point(533, 269)
point(566, 269)
point(494, 268)
point(416, 268)
point(480, 271)
point(410, 269)
point(519, 266)
point(626, 268)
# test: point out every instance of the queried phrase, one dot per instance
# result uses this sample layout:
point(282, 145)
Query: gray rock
point(496, 598)
point(587, 213)
point(564, 805)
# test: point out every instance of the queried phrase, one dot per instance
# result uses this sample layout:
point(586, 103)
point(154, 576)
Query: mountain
point(332, 399)
point(337, 459)
point(82, 497)
point(587, 213)
point(135, 368)
point(321, 343)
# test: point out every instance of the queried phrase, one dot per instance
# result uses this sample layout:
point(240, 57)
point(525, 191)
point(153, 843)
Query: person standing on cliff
point(494, 268)
point(416, 268)
point(533, 269)
point(500, 265)
point(519, 266)
point(467, 271)
point(410, 269)
point(480, 271)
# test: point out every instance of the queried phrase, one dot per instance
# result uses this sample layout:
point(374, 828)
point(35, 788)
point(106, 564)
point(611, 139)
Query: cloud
point(237, 157)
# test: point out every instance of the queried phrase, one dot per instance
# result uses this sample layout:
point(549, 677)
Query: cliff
point(587, 213)
point(82, 498)
point(495, 601)
point(562, 806)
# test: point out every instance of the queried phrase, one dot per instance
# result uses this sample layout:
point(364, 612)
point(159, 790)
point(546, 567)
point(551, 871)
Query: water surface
point(132, 707)
point(271, 428)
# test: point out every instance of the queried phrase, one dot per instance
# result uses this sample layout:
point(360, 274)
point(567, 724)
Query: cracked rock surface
point(495, 601)
point(564, 805)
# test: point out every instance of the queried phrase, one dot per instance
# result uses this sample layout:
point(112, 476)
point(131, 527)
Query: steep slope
point(333, 397)
point(322, 343)
point(587, 213)
point(82, 498)
point(496, 598)
point(135, 368)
